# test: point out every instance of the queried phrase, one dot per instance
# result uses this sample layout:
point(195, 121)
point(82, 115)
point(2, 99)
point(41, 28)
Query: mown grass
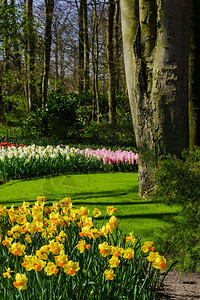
point(95, 190)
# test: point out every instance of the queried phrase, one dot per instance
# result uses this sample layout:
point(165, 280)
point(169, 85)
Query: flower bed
point(58, 252)
point(111, 157)
point(33, 161)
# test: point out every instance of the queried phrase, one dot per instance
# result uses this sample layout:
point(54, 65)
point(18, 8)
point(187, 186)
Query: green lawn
point(95, 190)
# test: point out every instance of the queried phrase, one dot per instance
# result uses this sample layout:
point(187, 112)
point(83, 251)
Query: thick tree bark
point(111, 64)
point(49, 8)
point(156, 49)
point(194, 78)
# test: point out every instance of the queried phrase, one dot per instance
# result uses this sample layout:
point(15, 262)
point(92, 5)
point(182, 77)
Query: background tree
point(29, 55)
point(156, 50)
point(194, 78)
point(49, 8)
point(111, 65)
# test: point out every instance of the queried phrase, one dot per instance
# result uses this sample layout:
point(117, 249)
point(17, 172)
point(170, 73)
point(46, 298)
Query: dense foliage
point(178, 183)
point(69, 116)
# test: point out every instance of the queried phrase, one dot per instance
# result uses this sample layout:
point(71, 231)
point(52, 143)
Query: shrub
point(60, 117)
point(178, 183)
point(120, 134)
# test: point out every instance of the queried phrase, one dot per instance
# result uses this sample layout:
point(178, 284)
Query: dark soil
point(179, 286)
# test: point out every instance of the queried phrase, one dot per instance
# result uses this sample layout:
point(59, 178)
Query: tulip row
point(59, 252)
point(24, 161)
point(111, 157)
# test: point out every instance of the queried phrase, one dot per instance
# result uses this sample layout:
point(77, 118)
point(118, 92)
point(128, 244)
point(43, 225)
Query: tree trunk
point(81, 46)
point(6, 46)
point(17, 54)
point(49, 8)
point(111, 65)
point(194, 78)
point(30, 53)
point(117, 46)
point(2, 115)
point(56, 56)
point(156, 50)
point(95, 60)
point(86, 48)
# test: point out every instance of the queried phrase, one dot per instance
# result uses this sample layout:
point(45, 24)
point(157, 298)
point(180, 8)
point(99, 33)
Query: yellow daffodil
point(28, 238)
point(117, 251)
point(71, 268)
point(15, 231)
point(113, 222)
point(87, 222)
point(82, 246)
point(86, 231)
point(152, 256)
point(51, 269)
point(55, 247)
point(20, 281)
point(7, 273)
point(104, 249)
point(84, 211)
point(33, 263)
point(95, 233)
point(17, 249)
point(7, 241)
point(114, 262)
point(148, 247)
point(128, 253)
point(41, 199)
point(111, 210)
point(3, 211)
point(43, 252)
point(61, 259)
point(131, 238)
point(109, 274)
point(61, 237)
point(104, 231)
point(160, 263)
point(96, 212)
point(66, 202)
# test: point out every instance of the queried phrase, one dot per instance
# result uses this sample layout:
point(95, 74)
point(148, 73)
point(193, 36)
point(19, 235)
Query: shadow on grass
point(75, 196)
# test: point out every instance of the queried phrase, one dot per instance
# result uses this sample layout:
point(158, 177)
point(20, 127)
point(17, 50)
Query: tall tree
point(111, 64)
point(30, 45)
point(81, 45)
point(156, 37)
point(117, 46)
point(95, 62)
point(15, 37)
point(86, 46)
point(6, 44)
point(49, 8)
point(194, 78)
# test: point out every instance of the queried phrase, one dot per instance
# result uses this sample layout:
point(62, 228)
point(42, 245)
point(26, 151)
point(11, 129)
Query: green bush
point(60, 117)
point(120, 134)
point(178, 183)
